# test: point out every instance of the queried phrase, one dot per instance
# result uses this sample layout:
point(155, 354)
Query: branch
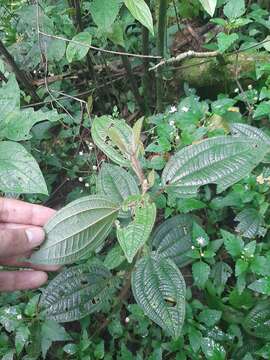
point(183, 56)
point(20, 75)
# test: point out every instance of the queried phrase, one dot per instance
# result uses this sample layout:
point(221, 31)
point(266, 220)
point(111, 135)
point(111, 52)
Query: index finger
point(20, 212)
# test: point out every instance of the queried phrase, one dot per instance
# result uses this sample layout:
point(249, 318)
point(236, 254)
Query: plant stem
point(162, 23)
point(147, 76)
point(133, 82)
point(20, 75)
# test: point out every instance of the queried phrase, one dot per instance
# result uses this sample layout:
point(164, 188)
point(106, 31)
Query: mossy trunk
point(216, 75)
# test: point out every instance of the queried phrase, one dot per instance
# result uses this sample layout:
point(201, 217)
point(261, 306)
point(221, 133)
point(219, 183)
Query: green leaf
point(257, 322)
point(114, 258)
point(210, 317)
point(199, 236)
point(250, 222)
point(188, 205)
point(79, 227)
point(141, 12)
point(116, 34)
point(200, 273)
point(234, 9)
point(222, 160)
point(233, 244)
point(79, 47)
point(212, 350)
point(159, 288)
point(225, 41)
point(17, 124)
point(260, 265)
point(21, 338)
point(55, 48)
point(250, 131)
point(9, 97)
point(195, 338)
point(102, 137)
point(221, 272)
point(241, 267)
point(209, 6)
point(261, 286)
point(77, 292)
point(19, 171)
point(104, 12)
point(50, 332)
point(116, 183)
point(262, 110)
point(132, 237)
point(173, 239)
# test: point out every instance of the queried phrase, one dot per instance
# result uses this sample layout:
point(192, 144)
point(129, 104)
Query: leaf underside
point(77, 292)
point(132, 237)
point(251, 132)
point(173, 239)
point(79, 227)
point(159, 288)
point(222, 160)
point(101, 136)
point(257, 322)
point(116, 183)
point(250, 223)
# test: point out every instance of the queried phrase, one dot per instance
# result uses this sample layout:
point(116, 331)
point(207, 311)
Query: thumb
point(20, 241)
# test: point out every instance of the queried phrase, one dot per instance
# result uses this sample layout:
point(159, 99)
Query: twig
point(183, 56)
point(100, 49)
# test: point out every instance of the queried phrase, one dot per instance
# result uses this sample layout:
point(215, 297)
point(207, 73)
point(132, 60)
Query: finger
point(19, 241)
point(4, 226)
point(17, 211)
point(22, 280)
point(13, 261)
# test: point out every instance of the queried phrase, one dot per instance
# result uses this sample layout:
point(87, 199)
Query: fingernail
point(35, 236)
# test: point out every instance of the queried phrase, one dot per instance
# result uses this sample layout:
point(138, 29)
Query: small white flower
point(236, 90)
point(177, 137)
point(201, 241)
point(7, 311)
point(117, 224)
point(171, 123)
point(86, 185)
point(94, 167)
point(81, 153)
point(185, 109)
point(80, 179)
point(255, 99)
point(127, 320)
point(250, 87)
point(192, 247)
point(19, 317)
point(202, 254)
point(242, 257)
point(173, 109)
point(90, 147)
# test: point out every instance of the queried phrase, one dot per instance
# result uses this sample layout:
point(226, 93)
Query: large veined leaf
point(257, 322)
point(114, 137)
point(252, 132)
point(132, 237)
point(222, 160)
point(116, 183)
point(79, 227)
point(250, 223)
point(141, 12)
point(19, 171)
point(209, 6)
point(18, 123)
point(159, 288)
point(173, 239)
point(77, 292)
point(104, 12)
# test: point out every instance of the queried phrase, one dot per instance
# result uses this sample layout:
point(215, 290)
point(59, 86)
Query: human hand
point(20, 233)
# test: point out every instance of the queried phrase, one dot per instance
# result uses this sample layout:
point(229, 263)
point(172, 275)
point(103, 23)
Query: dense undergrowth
point(52, 92)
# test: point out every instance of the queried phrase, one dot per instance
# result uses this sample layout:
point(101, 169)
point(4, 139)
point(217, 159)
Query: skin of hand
point(20, 233)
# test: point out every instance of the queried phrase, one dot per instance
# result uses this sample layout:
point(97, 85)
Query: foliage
point(163, 227)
